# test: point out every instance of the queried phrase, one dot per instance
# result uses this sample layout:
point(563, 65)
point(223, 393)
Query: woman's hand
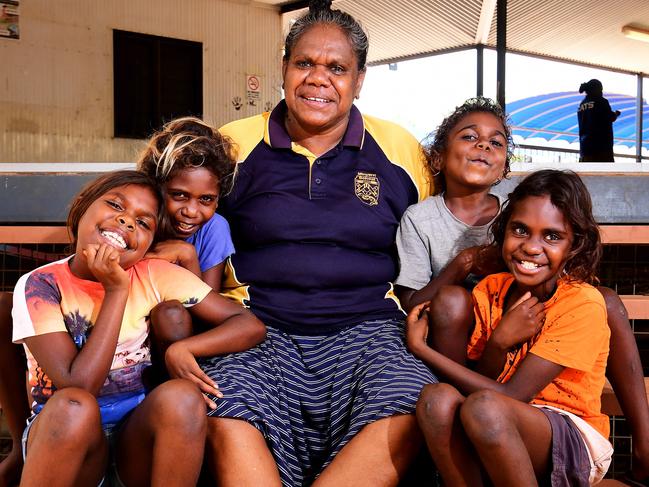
point(181, 364)
point(417, 328)
point(521, 322)
point(103, 262)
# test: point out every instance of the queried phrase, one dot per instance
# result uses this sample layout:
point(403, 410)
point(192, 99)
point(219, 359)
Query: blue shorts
point(309, 395)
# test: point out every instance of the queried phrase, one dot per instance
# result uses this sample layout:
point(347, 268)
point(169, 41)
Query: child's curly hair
point(435, 148)
point(569, 194)
point(188, 142)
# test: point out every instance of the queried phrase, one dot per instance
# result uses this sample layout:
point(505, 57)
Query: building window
point(156, 79)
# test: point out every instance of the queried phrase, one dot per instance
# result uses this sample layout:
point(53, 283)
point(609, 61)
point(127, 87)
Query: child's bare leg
point(13, 396)
point(66, 445)
point(239, 456)
point(170, 322)
point(162, 441)
point(451, 318)
point(624, 370)
point(513, 439)
point(438, 416)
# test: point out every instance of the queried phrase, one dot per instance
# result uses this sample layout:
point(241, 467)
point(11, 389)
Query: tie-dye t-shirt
point(51, 299)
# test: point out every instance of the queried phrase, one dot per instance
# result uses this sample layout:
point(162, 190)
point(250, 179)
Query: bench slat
point(33, 235)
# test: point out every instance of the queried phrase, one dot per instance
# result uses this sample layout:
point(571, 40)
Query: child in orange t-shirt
point(531, 408)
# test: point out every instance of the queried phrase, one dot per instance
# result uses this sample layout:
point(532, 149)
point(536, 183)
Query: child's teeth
point(528, 265)
point(115, 239)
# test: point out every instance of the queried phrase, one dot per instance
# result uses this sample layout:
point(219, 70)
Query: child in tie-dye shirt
point(82, 321)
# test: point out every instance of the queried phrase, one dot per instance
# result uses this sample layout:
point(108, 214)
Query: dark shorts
point(570, 462)
point(309, 395)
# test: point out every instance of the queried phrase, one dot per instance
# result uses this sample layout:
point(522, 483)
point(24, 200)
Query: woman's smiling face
point(321, 79)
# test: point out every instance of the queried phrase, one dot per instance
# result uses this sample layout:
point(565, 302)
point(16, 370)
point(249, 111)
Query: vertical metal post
point(501, 49)
point(479, 91)
point(638, 120)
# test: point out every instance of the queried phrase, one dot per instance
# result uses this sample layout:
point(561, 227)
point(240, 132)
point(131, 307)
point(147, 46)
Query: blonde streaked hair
point(186, 143)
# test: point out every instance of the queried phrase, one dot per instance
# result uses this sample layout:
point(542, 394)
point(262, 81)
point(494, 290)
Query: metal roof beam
point(484, 24)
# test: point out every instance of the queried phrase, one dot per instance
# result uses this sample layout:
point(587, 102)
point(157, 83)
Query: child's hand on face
point(522, 321)
point(417, 328)
point(181, 364)
point(103, 262)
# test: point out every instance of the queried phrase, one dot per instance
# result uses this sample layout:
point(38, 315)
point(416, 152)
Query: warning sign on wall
point(253, 89)
point(9, 16)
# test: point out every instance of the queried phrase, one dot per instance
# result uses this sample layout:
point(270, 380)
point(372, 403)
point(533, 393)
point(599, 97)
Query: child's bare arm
point(624, 370)
point(214, 275)
point(184, 255)
point(88, 367)
point(234, 329)
point(177, 252)
point(532, 376)
point(521, 322)
point(480, 260)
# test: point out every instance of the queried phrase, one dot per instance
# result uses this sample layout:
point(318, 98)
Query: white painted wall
point(56, 81)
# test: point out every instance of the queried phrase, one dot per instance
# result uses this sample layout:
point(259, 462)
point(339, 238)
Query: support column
point(501, 49)
point(479, 91)
point(638, 120)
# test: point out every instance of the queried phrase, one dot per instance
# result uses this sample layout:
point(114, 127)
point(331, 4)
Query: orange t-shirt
point(575, 335)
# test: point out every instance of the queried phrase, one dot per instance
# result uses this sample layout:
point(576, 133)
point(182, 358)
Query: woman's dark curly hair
point(320, 12)
point(188, 142)
point(569, 194)
point(434, 150)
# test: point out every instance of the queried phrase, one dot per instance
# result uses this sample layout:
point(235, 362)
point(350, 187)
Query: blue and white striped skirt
point(309, 395)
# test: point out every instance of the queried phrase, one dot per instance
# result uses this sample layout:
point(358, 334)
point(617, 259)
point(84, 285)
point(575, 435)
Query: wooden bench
point(637, 306)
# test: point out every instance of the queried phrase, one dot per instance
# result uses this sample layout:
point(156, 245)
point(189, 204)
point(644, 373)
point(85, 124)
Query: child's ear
point(436, 164)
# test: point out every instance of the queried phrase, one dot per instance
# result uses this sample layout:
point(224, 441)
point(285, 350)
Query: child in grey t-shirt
point(445, 238)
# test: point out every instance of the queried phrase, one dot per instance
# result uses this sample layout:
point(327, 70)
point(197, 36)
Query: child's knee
point(179, 402)
point(452, 305)
point(438, 403)
point(170, 322)
point(73, 416)
point(485, 417)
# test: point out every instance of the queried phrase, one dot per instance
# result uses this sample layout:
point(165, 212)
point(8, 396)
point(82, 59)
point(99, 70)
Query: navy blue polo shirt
point(315, 236)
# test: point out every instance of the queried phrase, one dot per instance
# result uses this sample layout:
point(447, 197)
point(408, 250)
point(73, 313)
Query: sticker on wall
point(236, 103)
point(9, 15)
point(253, 89)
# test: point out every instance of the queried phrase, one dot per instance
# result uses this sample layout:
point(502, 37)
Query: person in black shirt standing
point(595, 124)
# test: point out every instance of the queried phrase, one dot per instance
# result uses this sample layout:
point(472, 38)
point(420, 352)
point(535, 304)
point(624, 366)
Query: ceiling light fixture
point(637, 33)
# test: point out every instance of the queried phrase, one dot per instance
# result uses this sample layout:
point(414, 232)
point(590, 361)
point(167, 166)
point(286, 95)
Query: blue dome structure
point(553, 116)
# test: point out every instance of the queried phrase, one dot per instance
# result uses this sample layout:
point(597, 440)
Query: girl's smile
point(191, 198)
point(124, 218)
point(476, 152)
point(537, 245)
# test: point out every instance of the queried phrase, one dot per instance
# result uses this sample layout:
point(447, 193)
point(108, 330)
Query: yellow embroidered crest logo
point(366, 187)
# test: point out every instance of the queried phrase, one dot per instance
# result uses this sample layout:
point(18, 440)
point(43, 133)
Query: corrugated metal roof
point(553, 116)
point(587, 31)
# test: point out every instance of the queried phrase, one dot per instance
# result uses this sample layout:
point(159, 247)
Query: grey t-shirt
point(429, 237)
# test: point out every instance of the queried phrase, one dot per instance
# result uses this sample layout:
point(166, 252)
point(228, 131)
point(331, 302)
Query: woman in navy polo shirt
point(319, 191)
